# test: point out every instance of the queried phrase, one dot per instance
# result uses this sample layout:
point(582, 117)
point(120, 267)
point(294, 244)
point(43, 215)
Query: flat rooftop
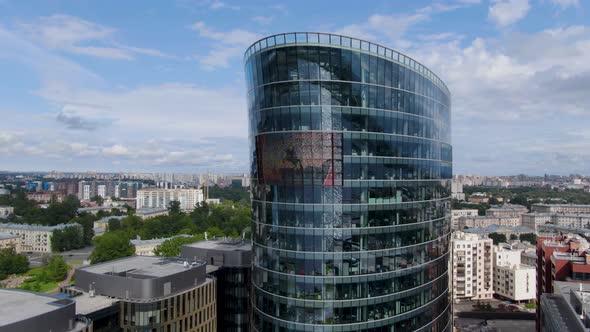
point(16, 305)
point(141, 267)
point(85, 304)
point(222, 244)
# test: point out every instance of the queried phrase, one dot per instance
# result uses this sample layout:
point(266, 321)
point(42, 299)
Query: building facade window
point(351, 167)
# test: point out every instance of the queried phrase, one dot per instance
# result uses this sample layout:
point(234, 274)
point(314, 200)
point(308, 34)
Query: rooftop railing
point(329, 39)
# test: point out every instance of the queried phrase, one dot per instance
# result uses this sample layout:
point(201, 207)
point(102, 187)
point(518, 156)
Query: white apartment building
point(505, 256)
point(161, 198)
point(472, 267)
point(101, 190)
point(84, 191)
point(457, 190)
point(456, 214)
point(485, 221)
point(5, 211)
point(34, 238)
point(513, 280)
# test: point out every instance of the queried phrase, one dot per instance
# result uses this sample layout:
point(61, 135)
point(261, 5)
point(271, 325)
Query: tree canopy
point(111, 245)
point(497, 237)
point(11, 262)
point(171, 248)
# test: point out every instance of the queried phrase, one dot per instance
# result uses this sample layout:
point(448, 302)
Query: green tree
point(513, 237)
point(171, 248)
point(520, 200)
point(87, 222)
point(530, 237)
point(114, 225)
point(174, 208)
point(11, 262)
point(497, 238)
point(98, 199)
point(67, 238)
point(56, 268)
point(110, 246)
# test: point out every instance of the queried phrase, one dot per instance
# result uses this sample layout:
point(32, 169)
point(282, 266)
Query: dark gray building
point(351, 164)
point(147, 293)
point(233, 258)
point(567, 309)
point(36, 312)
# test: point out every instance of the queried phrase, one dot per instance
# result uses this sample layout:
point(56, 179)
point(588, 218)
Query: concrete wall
point(225, 258)
point(132, 288)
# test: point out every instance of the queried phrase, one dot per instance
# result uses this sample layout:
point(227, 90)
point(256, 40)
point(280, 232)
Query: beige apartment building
point(507, 210)
point(33, 238)
point(456, 214)
point(485, 221)
point(9, 240)
point(472, 267)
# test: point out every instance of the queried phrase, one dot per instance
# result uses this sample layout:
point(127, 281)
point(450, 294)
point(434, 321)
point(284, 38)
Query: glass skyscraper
point(351, 167)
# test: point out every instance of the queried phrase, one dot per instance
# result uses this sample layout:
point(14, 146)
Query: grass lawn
point(35, 284)
point(38, 286)
point(531, 305)
point(75, 262)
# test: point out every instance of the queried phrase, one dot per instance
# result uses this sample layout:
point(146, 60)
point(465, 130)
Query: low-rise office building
point(37, 312)
point(233, 258)
point(142, 293)
point(34, 238)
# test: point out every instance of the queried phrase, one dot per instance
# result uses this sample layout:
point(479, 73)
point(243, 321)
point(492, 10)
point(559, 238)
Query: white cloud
point(262, 19)
point(507, 12)
point(566, 3)
point(188, 110)
point(228, 44)
point(522, 90)
point(72, 34)
point(391, 29)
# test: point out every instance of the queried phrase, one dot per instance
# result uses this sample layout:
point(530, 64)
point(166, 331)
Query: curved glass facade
point(351, 169)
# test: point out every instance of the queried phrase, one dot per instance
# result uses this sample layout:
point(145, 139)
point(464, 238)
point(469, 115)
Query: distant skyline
point(142, 86)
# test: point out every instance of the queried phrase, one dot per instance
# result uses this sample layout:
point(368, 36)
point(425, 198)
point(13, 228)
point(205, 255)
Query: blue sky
point(158, 85)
